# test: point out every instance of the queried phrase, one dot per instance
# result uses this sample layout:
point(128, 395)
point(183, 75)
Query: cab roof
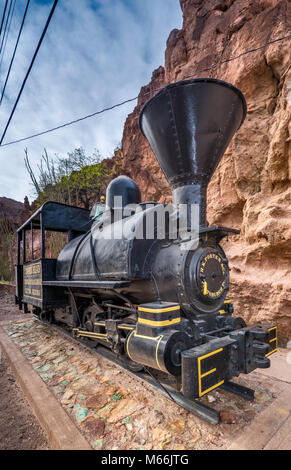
point(58, 217)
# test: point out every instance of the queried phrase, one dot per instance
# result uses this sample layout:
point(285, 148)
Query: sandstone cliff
point(251, 187)
point(11, 209)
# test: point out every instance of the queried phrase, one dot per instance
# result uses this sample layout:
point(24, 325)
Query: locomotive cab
point(34, 269)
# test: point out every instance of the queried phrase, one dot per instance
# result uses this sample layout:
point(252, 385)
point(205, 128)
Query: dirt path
point(8, 310)
point(19, 428)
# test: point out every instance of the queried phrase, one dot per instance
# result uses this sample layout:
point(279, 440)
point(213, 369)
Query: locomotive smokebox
point(189, 125)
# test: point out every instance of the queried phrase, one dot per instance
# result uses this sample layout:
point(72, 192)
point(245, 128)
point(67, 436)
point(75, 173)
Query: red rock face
point(11, 209)
point(251, 187)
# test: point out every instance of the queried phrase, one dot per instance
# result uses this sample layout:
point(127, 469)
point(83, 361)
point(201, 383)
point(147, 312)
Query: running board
point(88, 284)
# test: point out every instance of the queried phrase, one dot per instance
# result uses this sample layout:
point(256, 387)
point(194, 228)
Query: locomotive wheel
point(47, 317)
point(236, 323)
point(88, 323)
point(131, 365)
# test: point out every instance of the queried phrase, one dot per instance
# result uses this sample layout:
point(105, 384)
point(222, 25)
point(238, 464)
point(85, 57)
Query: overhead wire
point(5, 41)
point(3, 16)
point(14, 52)
point(29, 68)
point(217, 64)
point(5, 27)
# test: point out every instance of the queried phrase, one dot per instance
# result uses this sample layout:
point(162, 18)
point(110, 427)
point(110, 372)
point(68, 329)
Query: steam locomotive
point(154, 301)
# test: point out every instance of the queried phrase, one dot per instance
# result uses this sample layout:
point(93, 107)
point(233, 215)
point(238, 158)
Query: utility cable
point(5, 42)
point(5, 27)
point(30, 67)
point(3, 16)
point(14, 52)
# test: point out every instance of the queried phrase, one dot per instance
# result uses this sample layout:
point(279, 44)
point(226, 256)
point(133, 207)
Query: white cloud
point(96, 53)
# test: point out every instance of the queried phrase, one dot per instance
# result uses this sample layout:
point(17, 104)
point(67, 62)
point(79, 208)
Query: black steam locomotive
point(154, 301)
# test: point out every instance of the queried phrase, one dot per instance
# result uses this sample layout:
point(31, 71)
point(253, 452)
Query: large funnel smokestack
point(189, 125)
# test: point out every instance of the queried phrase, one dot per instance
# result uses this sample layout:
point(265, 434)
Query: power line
point(145, 94)
point(14, 52)
point(30, 67)
point(5, 27)
point(5, 42)
point(3, 16)
point(72, 122)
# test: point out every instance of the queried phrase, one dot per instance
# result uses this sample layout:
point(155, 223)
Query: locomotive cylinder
point(155, 342)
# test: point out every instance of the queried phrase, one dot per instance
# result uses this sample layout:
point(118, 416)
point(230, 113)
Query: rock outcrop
point(251, 187)
point(11, 209)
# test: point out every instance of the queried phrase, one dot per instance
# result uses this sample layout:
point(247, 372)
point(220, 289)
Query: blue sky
point(95, 53)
